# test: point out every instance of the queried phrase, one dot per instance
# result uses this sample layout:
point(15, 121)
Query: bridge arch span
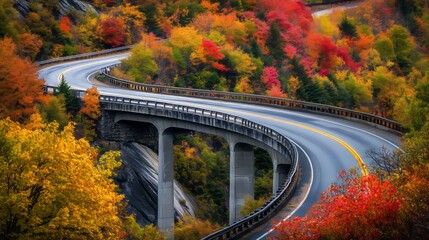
point(121, 122)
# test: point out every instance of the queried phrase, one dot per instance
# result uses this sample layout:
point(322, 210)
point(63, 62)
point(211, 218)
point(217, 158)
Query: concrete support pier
point(165, 184)
point(280, 169)
point(241, 177)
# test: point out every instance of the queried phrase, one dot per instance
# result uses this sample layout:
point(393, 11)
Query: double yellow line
point(356, 156)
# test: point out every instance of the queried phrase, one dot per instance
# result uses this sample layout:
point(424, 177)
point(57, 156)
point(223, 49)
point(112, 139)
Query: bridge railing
point(227, 122)
point(254, 99)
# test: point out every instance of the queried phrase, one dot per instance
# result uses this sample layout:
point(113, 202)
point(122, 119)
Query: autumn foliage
point(212, 54)
point(270, 77)
point(112, 31)
point(54, 186)
point(20, 89)
point(65, 25)
point(191, 228)
point(360, 208)
point(91, 102)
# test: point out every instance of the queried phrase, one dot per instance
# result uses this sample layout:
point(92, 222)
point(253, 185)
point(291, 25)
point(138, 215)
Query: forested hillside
point(372, 58)
point(364, 58)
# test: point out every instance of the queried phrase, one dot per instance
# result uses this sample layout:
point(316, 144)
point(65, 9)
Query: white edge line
point(305, 197)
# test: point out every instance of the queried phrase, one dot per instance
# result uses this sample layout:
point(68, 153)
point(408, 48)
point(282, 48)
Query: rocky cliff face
point(64, 6)
point(138, 181)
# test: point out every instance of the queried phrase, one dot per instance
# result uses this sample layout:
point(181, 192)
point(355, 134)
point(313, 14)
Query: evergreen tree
point(70, 100)
point(347, 28)
point(275, 44)
point(151, 21)
point(298, 70)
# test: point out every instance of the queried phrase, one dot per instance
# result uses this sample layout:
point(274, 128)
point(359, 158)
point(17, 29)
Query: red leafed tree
point(325, 53)
point(211, 50)
point(65, 25)
point(270, 77)
point(290, 51)
point(213, 54)
point(288, 13)
point(112, 31)
point(361, 208)
point(219, 66)
point(294, 21)
point(109, 2)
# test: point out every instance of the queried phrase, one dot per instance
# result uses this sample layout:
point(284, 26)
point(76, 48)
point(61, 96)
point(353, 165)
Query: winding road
point(321, 139)
point(326, 144)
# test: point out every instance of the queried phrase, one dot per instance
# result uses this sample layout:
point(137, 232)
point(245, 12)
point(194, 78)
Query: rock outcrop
point(64, 7)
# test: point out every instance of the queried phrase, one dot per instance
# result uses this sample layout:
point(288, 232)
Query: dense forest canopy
point(372, 58)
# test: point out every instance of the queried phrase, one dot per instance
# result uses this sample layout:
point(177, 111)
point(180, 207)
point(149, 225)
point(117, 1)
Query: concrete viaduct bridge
point(125, 119)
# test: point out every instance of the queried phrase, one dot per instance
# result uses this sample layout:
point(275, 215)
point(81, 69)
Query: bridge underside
point(158, 132)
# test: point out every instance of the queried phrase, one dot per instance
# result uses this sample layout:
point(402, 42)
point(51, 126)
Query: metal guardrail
point(85, 55)
point(255, 99)
point(329, 3)
point(225, 121)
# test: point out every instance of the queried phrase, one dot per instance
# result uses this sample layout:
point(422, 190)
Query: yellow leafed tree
point(243, 86)
point(53, 187)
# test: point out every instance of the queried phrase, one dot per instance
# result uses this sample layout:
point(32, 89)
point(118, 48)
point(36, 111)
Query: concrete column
point(166, 183)
point(279, 175)
point(275, 178)
point(241, 177)
point(280, 169)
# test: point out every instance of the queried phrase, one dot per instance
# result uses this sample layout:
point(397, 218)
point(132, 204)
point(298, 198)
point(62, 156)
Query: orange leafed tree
point(91, 101)
point(20, 89)
point(276, 91)
point(29, 45)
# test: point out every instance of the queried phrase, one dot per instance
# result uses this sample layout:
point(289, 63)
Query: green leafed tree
point(384, 46)
point(403, 46)
point(140, 65)
point(347, 28)
point(135, 232)
point(55, 110)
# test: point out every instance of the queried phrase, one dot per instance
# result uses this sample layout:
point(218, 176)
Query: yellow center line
point(354, 153)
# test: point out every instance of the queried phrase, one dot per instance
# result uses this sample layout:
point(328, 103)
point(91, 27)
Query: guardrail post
point(166, 183)
point(241, 177)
